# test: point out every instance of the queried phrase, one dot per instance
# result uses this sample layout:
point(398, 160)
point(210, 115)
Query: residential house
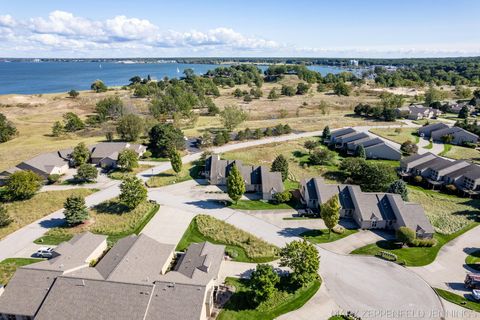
point(439, 171)
point(426, 131)
point(257, 178)
point(375, 148)
point(44, 165)
point(105, 154)
point(370, 210)
point(457, 107)
point(417, 112)
point(130, 282)
point(459, 135)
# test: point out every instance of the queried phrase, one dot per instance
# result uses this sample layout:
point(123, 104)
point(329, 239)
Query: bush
point(86, 172)
point(409, 148)
point(451, 188)
point(282, 197)
point(418, 179)
point(322, 157)
point(469, 144)
point(127, 159)
point(53, 178)
point(405, 235)
point(5, 219)
point(146, 154)
point(423, 243)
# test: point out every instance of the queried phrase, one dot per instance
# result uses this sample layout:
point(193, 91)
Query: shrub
point(53, 178)
point(5, 219)
point(282, 197)
point(408, 147)
point(418, 179)
point(287, 129)
point(86, 172)
point(322, 157)
point(451, 188)
point(146, 154)
point(469, 144)
point(405, 235)
point(423, 243)
point(132, 192)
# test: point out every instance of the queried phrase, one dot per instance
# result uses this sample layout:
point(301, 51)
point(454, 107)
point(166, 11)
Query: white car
point(476, 294)
point(44, 252)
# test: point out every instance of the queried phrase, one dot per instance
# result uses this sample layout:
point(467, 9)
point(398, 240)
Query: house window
point(374, 223)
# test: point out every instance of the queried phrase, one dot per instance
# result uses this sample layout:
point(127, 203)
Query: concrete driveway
point(366, 285)
point(448, 270)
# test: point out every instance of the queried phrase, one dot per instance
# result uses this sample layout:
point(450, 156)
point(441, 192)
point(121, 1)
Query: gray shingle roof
point(112, 149)
point(412, 214)
point(26, 290)
point(44, 163)
point(341, 132)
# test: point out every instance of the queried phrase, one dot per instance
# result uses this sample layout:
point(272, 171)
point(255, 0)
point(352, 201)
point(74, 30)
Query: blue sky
point(341, 28)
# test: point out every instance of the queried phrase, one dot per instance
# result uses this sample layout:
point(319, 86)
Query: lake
point(50, 77)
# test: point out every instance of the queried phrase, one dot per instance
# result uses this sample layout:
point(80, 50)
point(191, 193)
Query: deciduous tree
point(80, 154)
point(176, 161)
point(263, 281)
point(132, 192)
point(127, 159)
point(330, 212)
point(130, 127)
point(22, 185)
point(232, 116)
point(86, 172)
point(164, 137)
point(303, 259)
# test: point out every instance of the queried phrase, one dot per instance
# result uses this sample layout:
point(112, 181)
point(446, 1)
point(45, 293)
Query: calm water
point(48, 77)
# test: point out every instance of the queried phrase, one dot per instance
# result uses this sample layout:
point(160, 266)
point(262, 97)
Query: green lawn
point(398, 137)
point(458, 300)
point(459, 152)
point(10, 265)
point(446, 149)
point(323, 236)
point(119, 174)
point(239, 307)
point(473, 260)
point(258, 205)
point(412, 256)
point(189, 171)
point(447, 213)
point(240, 245)
point(40, 205)
point(109, 218)
point(429, 146)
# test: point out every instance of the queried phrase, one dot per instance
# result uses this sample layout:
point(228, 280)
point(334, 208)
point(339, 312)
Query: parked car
point(476, 294)
point(307, 213)
point(472, 281)
point(44, 252)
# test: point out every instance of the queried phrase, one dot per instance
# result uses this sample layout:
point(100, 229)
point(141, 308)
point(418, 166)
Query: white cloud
point(64, 34)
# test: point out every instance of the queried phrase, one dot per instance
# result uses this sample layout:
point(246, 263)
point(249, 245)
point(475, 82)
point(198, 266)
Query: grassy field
point(258, 205)
point(10, 265)
point(415, 256)
point(446, 149)
point(398, 137)
point(473, 260)
point(119, 174)
point(323, 236)
point(458, 300)
point(240, 245)
point(239, 308)
point(447, 213)
point(458, 152)
point(39, 206)
point(189, 171)
point(109, 218)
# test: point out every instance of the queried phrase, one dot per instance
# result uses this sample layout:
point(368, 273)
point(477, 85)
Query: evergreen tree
point(176, 161)
point(280, 164)
point(464, 113)
point(326, 133)
point(361, 153)
point(75, 211)
point(399, 187)
point(235, 184)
